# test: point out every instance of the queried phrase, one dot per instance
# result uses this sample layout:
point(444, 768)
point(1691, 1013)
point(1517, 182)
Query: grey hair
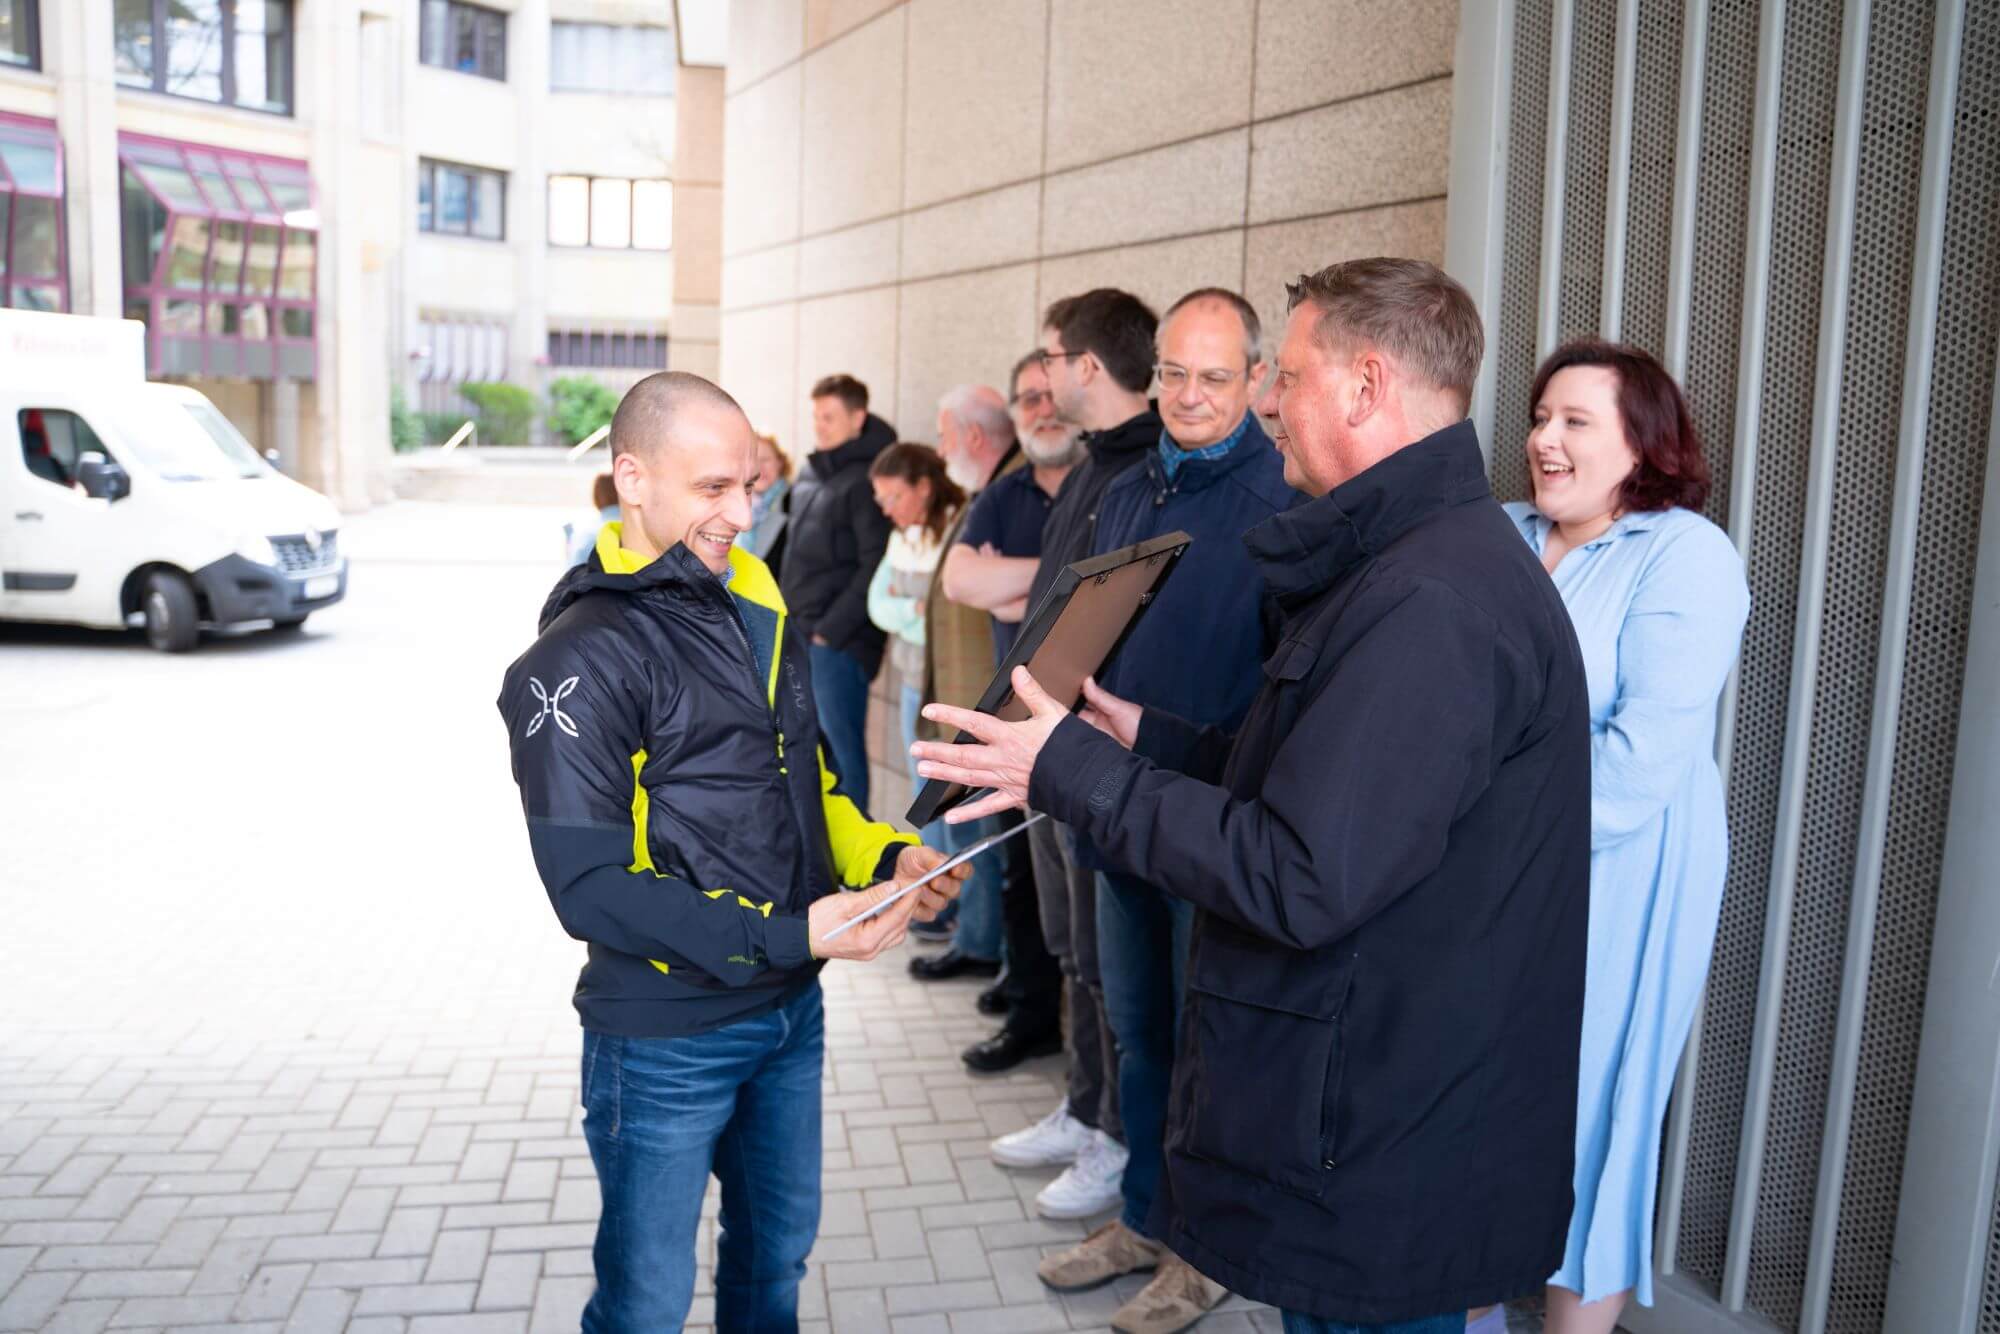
point(1253, 328)
point(977, 407)
point(1410, 309)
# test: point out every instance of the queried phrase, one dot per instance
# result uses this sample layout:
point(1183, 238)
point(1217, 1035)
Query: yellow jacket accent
point(858, 843)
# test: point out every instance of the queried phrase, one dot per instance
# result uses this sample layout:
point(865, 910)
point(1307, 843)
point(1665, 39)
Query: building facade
point(316, 205)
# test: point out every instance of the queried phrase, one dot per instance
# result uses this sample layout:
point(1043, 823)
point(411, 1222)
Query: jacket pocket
point(1266, 1096)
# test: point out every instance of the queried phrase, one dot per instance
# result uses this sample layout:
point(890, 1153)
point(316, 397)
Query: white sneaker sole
point(1022, 1158)
point(1073, 1211)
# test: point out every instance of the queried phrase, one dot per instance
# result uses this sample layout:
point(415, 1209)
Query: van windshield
point(189, 442)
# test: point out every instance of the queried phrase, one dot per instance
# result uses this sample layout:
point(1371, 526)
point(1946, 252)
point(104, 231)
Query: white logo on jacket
point(551, 705)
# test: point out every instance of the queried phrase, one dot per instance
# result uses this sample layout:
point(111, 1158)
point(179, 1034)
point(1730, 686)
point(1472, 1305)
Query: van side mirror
point(102, 479)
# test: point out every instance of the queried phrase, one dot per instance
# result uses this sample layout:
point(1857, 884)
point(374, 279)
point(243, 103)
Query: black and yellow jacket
point(679, 808)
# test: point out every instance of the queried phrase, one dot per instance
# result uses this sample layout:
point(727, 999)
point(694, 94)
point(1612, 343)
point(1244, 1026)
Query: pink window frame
point(60, 283)
point(155, 292)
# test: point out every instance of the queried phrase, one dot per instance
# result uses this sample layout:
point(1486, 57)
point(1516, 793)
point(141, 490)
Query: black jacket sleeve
point(1172, 742)
point(1360, 795)
point(576, 735)
point(846, 617)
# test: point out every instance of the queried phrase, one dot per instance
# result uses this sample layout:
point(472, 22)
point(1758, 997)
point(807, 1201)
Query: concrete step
point(498, 476)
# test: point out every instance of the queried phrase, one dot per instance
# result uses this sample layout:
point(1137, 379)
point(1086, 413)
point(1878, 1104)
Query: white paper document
point(993, 840)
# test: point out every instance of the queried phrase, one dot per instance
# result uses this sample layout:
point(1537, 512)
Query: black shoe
point(933, 933)
point(995, 1001)
point(1008, 1048)
point(950, 964)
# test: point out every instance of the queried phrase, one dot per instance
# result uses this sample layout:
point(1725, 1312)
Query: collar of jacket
point(1198, 468)
point(1127, 438)
point(620, 568)
point(1304, 550)
point(876, 436)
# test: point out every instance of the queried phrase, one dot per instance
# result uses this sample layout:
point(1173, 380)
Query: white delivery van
point(124, 502)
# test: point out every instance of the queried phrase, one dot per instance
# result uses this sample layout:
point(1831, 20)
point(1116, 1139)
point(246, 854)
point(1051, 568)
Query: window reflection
point(194, 49)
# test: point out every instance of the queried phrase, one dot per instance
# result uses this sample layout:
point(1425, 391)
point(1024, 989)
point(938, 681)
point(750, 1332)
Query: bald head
point(662, 408)
point(684, 460)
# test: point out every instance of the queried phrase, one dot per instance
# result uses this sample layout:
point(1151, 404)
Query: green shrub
point(506, 411)
point(579, 405)
point(438, 426)
point(406, 428)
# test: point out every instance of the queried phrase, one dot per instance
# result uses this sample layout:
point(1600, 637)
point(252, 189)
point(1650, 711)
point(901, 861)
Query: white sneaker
point(1053, 1141)
point(1088, 1186)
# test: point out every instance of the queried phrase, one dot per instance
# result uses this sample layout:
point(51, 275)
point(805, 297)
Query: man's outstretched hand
point(1004, 759)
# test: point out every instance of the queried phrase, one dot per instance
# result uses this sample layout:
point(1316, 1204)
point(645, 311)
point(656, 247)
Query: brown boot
point(1176, 1298)
point(1112, 1250)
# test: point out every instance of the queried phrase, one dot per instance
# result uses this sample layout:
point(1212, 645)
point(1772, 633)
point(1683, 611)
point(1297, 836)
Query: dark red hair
point(1657, 424)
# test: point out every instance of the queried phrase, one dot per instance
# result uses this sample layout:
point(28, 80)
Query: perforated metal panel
point(1594, 43)
point(1715, 305)
point(1715, 327)
point(1798, 238)
point(1656, 95)
point(1876, 319)
point(1513, 339)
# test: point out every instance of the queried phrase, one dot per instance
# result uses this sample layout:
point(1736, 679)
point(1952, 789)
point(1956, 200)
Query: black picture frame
point(1072, 631)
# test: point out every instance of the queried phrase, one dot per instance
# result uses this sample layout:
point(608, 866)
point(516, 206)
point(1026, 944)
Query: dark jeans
point(660, 1114)
point(1033, 981)
point(1435, 1324)
point(840, 697)
point(1068, 900)
point(1142, 948)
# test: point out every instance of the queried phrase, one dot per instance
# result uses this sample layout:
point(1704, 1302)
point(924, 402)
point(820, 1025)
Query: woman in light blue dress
point(1658, 598)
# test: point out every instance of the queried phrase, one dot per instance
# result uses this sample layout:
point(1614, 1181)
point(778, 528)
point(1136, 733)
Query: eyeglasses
point(1031, 399)
point(1048, 357)
point(1174, 378)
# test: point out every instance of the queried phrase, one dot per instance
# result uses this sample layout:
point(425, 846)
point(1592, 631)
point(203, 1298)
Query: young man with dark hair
point(833, 542)
point(688, 829)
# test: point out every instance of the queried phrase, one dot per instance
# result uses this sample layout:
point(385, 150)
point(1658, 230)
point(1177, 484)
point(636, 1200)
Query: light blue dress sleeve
point(891, 614)
point(1675, 651)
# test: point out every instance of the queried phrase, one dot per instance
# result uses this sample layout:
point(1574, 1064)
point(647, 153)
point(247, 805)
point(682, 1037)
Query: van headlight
point(258, 551)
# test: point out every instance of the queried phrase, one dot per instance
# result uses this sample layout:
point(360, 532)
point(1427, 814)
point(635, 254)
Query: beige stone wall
point(907, 185)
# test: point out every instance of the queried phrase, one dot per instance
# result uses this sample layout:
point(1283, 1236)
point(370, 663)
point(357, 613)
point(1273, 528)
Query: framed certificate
point(1075, 628)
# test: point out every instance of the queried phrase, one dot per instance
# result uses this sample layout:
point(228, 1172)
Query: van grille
point(296, 555)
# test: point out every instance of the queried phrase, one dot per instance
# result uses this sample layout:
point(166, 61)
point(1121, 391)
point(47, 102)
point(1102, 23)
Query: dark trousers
point(1033, 980)
point(1068, 900)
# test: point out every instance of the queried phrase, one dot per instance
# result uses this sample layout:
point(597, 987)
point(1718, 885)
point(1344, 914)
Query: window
point(603, 58)
point(20, 37)
point(461, 201)
point(236, 52)
point(639, 349)
point(52, 442)
point(611, 213)
point(221, 254)
point(33, 261)
point(467, 38)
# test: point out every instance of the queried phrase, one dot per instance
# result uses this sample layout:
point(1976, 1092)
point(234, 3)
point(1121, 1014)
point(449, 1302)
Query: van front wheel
point(172, 622)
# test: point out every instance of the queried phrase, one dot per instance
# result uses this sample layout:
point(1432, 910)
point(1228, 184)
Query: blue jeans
point(1432, 1324)
point(1142, 950)
point(840, 697)
point(659, 1115)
